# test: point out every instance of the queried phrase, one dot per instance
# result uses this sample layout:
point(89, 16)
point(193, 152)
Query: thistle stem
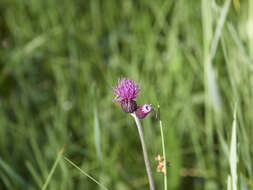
point(145, 154)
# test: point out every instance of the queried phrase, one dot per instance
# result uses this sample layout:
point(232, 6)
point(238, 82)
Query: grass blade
point(233, 155)
point(97, 136)
point(164, 153)
point(34, 174)
point(83, 172)
point(53, 169)
point(229, 183)
point(12, 174)
point(219, 28)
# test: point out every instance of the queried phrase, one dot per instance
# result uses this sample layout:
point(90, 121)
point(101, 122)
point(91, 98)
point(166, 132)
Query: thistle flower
point(143, 111)
point(126, 93)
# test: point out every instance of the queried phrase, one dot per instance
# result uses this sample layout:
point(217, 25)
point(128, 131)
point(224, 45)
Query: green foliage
point(57, 69)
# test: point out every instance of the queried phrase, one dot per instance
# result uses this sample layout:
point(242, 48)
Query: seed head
point(161, 164)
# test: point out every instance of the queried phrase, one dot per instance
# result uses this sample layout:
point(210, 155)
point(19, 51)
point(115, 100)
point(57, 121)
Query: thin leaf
point(233, 155)
point(49, 177)
point(87, 175)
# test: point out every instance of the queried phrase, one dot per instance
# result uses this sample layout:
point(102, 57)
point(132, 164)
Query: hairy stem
point(145, 154)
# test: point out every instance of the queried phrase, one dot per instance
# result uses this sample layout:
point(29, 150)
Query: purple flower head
point(126, 93)
point(143, 111)
point(126, 89)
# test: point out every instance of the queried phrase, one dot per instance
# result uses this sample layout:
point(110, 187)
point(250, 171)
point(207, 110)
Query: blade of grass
point(34, 174)
point(250, 27)
point(96, 126)
point(5, 181)
point(243, 184)
point(209, 78)
point(12, 174)
point(219, 28)
point(235, 36)
point(83, 172)
point(236, 88)
point(53, 169)
point(164, 153)
point(38, 154)
point(214, 89)
point(229, 183)
point(233, 155)
point(97, 135)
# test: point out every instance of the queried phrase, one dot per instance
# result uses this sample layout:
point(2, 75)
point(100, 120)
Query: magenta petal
point(126, 89)
point(143, 111)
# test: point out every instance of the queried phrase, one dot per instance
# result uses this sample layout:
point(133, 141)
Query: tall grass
point(193, 57)
point(232, 178)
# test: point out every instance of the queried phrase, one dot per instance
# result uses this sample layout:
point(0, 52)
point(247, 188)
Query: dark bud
point(128, 106)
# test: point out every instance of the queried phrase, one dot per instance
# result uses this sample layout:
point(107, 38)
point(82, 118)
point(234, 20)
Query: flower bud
point(143, 110)
point(128, 105)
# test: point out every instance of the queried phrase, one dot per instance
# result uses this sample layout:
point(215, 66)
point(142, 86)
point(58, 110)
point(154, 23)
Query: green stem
point(53, 169)
point(164, 156)
point(145, 154)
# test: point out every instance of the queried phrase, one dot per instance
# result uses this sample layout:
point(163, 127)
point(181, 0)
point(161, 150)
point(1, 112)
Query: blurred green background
point(60, 59)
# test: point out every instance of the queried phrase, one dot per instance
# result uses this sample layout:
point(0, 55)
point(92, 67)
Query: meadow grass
point(60, 59)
